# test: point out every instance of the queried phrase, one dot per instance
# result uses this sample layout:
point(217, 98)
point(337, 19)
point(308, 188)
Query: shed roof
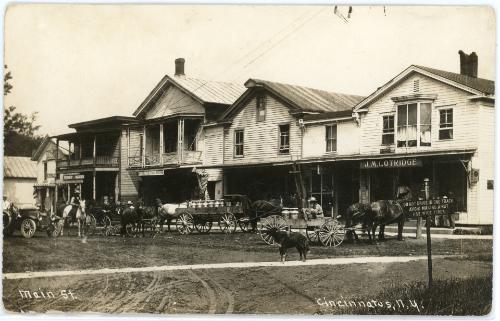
point(19, 167)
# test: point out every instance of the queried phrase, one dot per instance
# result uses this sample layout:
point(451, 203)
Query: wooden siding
point(173, 101)
point(465, 116)
point(486, 157)
point(213, 145)
point(261, 138)
point(129, 179)
point(315, 139)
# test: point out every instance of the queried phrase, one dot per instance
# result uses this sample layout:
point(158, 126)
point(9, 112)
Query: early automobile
point(27, 219)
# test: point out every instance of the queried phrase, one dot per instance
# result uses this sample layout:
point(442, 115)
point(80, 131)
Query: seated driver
point(314, 208)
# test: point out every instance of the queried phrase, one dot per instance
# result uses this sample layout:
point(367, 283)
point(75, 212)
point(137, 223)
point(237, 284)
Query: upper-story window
point(238, 143)
point(446, 123)
point(261, 107)
point(414, 124)
point(388, 130)
point(284, 143)
point(45, 170)
point(331, 138)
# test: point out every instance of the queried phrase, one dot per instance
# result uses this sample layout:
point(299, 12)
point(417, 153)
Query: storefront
point(448, 174)
point(168, 185)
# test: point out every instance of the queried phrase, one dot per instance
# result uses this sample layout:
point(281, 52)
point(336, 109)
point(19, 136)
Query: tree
point(20, 138)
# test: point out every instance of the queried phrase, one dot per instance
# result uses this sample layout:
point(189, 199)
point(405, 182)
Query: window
point(238, 143)
point(446, 123)
point(414, 125)
point(331, 138)
point(284, 144)
point(261, 108)
point(45, 171)
point(388, 130)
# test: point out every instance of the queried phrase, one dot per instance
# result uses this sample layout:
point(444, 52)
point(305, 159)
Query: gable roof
point(204, 91)
point(483, 85)
point(18, 167)
point(476, 86)
point(41, 148)
point(301, 99)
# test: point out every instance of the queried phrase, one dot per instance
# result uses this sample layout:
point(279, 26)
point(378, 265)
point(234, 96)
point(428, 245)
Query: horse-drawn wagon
point(200, 215)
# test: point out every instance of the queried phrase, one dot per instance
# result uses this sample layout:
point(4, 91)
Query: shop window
point(412, 130)
point(238, 143)
point(331, 138)
point(284, 143)
point(388, 130)
point(446, 124)
point(261, 108)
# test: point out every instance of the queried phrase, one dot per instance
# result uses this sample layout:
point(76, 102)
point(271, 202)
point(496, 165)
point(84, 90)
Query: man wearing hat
point(314, 208)
point(74, 202)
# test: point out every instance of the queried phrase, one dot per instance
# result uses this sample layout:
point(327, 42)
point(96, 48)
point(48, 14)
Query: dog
point(288, 240)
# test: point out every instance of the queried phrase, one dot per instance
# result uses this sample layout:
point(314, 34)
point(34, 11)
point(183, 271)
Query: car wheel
point(28, 228)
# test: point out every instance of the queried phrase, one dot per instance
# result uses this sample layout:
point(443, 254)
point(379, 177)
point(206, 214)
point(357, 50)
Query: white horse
point(80, 216)
point(167, 212)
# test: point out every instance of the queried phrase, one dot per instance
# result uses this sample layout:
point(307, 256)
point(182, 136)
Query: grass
point(472, 296)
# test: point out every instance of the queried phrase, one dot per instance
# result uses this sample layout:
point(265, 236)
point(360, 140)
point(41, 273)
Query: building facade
point(269, 140)
point(19, 176)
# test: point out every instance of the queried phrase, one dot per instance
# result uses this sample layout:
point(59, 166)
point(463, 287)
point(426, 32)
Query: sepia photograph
point(244, 159)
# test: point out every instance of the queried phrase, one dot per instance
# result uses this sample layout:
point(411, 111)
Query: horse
point(133, 216)
point(167, 212)
point(355, 214)
point(79, 217)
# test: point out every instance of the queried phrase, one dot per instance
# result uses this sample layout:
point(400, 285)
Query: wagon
point(200, 215)
point(326, 231)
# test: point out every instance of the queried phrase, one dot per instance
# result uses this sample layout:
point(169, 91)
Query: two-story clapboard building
point(424, 123)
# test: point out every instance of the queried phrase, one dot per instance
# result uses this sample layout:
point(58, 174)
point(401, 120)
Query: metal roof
point(19, 167)
point(483, 85)
point(309, 99)
point(204, 91)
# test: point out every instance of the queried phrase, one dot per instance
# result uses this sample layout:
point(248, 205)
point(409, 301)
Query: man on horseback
point(75, 203)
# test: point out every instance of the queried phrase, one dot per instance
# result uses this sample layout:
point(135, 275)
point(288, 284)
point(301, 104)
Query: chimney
point(468, 64)
point(179, 67)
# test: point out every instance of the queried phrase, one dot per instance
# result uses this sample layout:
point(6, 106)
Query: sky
point(73, 63)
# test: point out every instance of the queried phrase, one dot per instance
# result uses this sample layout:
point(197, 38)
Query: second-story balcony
point(166, 159)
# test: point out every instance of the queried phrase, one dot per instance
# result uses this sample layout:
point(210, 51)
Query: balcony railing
point(188, 157)
point(100, 161)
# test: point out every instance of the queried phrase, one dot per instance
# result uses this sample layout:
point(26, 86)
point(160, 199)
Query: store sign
point(72, 177)
point(422, 208)
point(391, 163)
point(152, 172)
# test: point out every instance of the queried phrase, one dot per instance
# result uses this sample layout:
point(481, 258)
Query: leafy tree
point(20, 130)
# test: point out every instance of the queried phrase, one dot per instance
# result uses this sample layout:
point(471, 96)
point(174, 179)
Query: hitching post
point(428, 229)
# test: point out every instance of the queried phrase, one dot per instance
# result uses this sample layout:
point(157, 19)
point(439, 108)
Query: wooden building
point(19, 175)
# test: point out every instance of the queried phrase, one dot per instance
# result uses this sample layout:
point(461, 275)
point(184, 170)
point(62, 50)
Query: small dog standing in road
point(287, 240)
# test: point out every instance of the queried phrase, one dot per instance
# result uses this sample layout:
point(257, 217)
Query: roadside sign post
point(428, 230)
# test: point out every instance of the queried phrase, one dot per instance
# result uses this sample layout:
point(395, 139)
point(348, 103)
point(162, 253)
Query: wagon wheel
point(28, 228)
point(109, 230)
point(90, 224)
point(184, 223)
point(106, 222)
point(54, 229)
point(312, 233)
point(331, 233)
point(246, 225)
point(227, 223)
point(130, 229)
point(271, 223)
point(203, 226)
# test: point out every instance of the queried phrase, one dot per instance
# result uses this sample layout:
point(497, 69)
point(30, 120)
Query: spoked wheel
point(90, 225)
point(312, 233)
point(331, 233)
point(271, 223)
point(246, 224)
point(106, 223)
point(130, 229)
point(28, 228)
point(227, 223)
point(203, 226)
point(54, 229)
point(184, 223)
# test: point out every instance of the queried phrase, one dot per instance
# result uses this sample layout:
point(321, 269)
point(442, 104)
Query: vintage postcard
point(248, 159)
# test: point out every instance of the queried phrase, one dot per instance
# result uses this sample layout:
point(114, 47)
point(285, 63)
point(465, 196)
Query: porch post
point(161, 143)
point(143, 145)
point(94, 151)
point(180, 139)
point(56, 190)
point(93, 185)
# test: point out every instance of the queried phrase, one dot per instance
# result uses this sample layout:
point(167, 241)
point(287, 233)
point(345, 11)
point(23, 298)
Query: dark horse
point(133, 216)
point(378, 213)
